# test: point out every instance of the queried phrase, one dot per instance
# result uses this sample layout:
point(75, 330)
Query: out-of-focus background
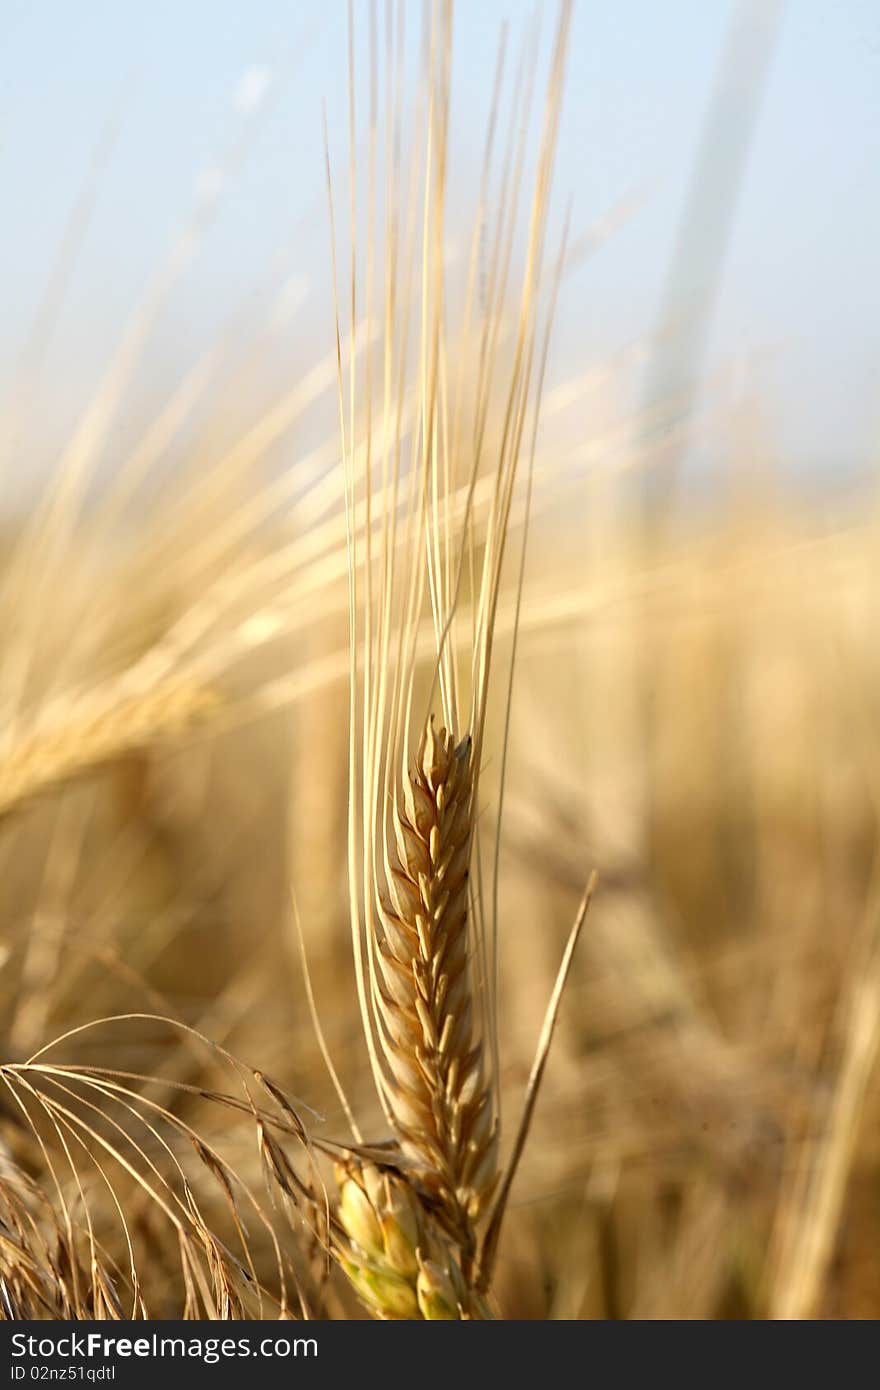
point(740, 133)
point(695, 708)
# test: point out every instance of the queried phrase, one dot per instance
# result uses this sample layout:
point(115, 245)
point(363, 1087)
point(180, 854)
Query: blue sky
point(800, 295)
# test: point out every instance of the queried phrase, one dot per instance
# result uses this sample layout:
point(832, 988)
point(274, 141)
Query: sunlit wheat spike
point(424, 939)
point(441, 1105)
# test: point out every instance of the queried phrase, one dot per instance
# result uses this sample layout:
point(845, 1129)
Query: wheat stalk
point(424, 935)
point(87, 734)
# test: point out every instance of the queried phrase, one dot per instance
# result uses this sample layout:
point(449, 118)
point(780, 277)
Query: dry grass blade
point(489, 1243)
point(816, 1200)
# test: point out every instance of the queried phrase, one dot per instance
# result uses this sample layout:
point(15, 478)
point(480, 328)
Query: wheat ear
point(424, 946)
point(409, 1232)
point(436, 1086)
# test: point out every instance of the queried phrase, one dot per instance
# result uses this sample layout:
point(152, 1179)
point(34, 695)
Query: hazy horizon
point(795, 321)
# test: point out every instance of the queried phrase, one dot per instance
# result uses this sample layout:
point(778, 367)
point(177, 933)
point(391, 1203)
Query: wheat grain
point(397, 1258)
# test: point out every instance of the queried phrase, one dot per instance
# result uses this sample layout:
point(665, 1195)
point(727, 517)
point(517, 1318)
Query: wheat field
point(318, 718)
